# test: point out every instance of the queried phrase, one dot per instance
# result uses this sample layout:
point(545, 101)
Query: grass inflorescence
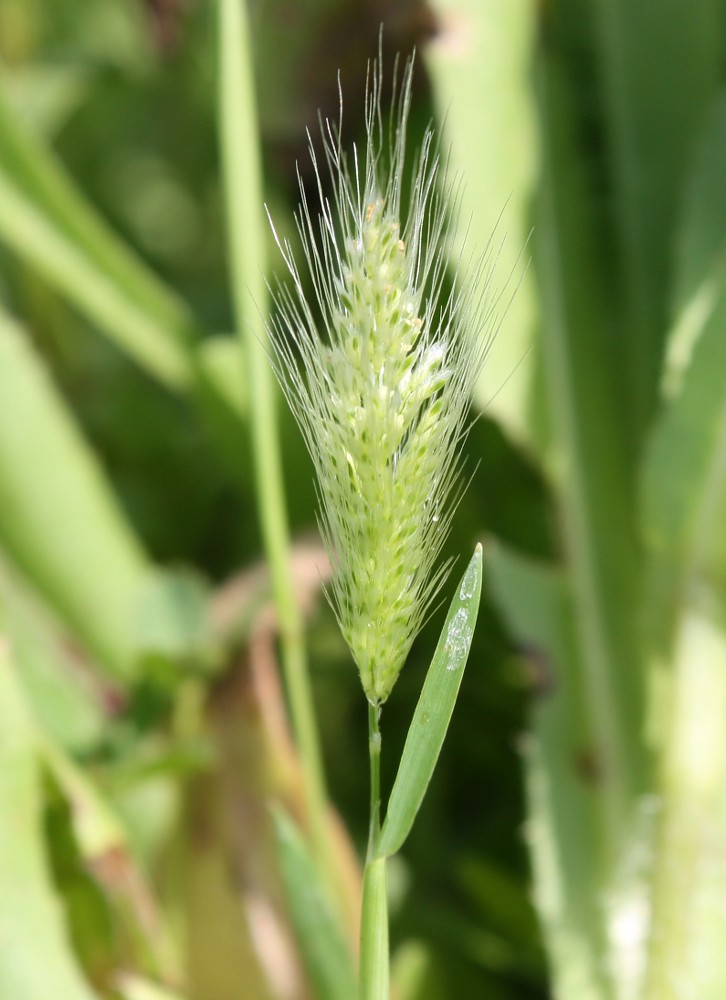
point(382, 395)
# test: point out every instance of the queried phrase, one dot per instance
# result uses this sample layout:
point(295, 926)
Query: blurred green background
point(141, 719)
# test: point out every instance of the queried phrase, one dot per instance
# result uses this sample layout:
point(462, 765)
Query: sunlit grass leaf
point(36, 958)
point(481, 68)
point(688, 920)
point(683, 488)
point(433, 711)
point(684, 483)
point(324, 952)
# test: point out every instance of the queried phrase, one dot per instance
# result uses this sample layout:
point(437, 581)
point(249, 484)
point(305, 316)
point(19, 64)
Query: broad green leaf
point(326, 957)
point(374, 946)
point(433, 712)
point(590, 461)
point(563, 828)
point(480, 63)
point(36, 955)
point(59, 521)
point(660, 65)
point(684, 526)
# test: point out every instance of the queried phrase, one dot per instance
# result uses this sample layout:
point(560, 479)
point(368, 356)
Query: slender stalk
point(374, 751)
point(374, 958)
point(243, 188)
point(374, 952)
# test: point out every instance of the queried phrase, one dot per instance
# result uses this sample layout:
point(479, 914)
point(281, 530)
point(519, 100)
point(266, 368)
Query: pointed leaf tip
point(434, 709)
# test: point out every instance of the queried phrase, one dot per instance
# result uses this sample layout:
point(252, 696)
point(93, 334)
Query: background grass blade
point(240, 141)
point(589, 463)
point(326, 957)
point(433, 712)
point(32, 235)
point(563, 832)
point(36, 951)
point(59, 521)
point(31, 167)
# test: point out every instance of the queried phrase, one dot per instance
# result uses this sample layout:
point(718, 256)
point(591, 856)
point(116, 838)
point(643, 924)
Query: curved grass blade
point(324, 952)
point(433, 712)
point(59, 521)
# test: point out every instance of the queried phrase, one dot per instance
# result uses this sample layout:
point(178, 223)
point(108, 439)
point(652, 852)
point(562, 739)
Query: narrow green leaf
point(39, 177)
point(481, 67)
point(324, 952)
point(59, 521)
point(243, 189)
point(433, 711)
point(36, 954)
point(374, 946)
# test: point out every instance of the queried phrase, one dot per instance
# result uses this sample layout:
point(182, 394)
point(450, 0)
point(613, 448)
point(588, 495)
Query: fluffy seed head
point(382, 395)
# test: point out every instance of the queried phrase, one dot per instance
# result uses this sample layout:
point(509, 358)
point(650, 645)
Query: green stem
point(374, 958)
point(374, 752)
point(374, 954)
point(247, 245)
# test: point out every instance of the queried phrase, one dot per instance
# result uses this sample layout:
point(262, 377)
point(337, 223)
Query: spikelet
point(382, 396)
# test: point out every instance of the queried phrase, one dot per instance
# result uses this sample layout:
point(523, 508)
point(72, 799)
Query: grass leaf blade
point(433, 712)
